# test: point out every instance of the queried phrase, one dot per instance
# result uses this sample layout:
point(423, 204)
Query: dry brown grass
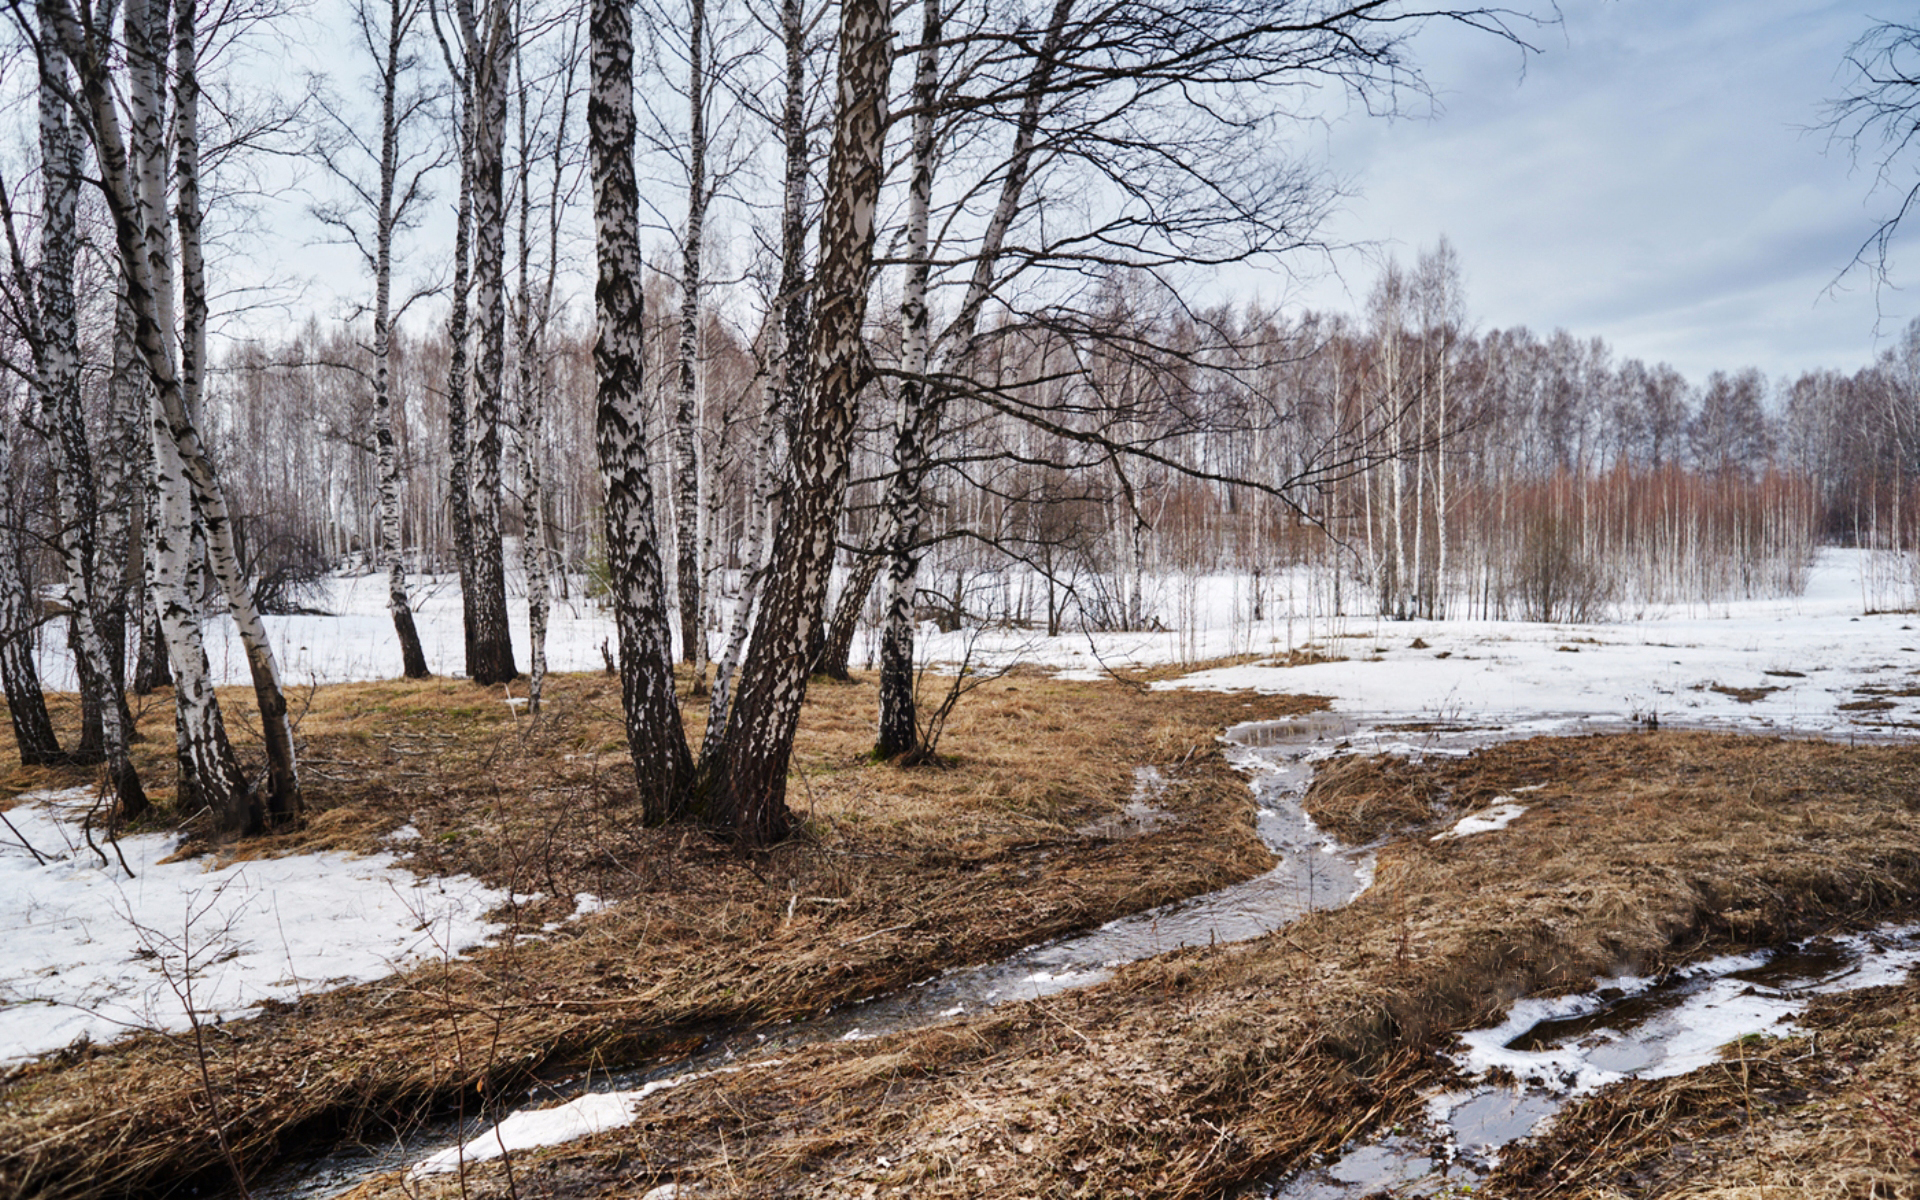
point(1191, 1074)
point(896, 875)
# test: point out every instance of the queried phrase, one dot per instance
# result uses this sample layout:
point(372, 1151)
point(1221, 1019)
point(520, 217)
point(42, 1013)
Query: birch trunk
point(662, 763)
point(530, 402)
point(686, 424)
point(26, 702)
point(413, 661)
point(919, 413)
point(747, 793)
point(131, 407)
point(489, 62)
point(837, 646)
point(460, 473)
point(283, 801)
point(787, 371)
point(185, 477)
point(921, 402)
point(57, 382)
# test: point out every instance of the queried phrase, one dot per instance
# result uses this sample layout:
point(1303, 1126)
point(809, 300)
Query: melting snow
point(93, 954)
point(1497, 816)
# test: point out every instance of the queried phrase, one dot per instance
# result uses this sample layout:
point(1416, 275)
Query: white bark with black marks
point(747, 794)
point(662, 764)
point(57, 382)
point(488, 38)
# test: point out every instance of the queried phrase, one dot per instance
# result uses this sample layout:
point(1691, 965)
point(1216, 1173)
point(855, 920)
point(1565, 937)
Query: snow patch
point(1498, 815)
point(92, 954)
point(583, 1116)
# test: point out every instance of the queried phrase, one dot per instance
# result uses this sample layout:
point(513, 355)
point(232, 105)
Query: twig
point(37, 856)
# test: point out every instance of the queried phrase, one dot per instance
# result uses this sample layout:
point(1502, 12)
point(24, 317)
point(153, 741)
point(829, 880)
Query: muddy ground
point(895, 875)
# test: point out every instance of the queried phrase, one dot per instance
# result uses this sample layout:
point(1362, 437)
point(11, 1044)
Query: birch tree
point(391, 200)
point(487, 41)
point(33, 733)
point(533, 314)
point(787, 323)
point(57, 381)
point(662, 765)
point(187, 480)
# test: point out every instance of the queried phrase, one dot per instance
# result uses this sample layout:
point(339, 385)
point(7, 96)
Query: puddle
point(1140, 815)
point(1555, 1050)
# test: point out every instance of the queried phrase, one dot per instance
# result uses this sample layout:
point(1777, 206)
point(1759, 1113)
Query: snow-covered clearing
point(90, 951)
point(93, 953)
point(1786, 666)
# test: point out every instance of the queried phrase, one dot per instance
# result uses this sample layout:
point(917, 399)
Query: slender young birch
point(920, 399)
point(787, 358)
point(662, 764)
point(57, 380)
point(392, 59)
point(686, 420)
point(533, 377)
point(459, 325)
point(913, 429)
point(747, 794)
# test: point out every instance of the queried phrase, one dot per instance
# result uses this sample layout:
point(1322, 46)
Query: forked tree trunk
point(747, 794)
point(662, 764)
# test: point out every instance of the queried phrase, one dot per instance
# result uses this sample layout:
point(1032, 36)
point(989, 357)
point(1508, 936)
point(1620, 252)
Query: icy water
point(1557, 1050)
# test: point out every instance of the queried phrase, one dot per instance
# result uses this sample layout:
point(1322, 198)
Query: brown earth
point(895, 875)
point(1199, 1072)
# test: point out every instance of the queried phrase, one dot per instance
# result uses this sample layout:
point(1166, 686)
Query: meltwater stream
point(1313, 872)
point(1556, 1049)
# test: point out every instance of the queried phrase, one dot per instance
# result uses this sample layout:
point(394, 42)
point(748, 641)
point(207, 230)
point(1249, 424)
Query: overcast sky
point(1652, 178)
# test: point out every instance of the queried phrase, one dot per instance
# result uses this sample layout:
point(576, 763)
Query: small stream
point(1313, 872)
point(1558, 1048)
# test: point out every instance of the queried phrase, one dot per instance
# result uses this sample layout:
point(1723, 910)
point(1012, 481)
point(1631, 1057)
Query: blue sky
point(1652, 177)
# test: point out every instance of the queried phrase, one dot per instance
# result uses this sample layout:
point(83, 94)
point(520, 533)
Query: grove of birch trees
point(762, 325)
